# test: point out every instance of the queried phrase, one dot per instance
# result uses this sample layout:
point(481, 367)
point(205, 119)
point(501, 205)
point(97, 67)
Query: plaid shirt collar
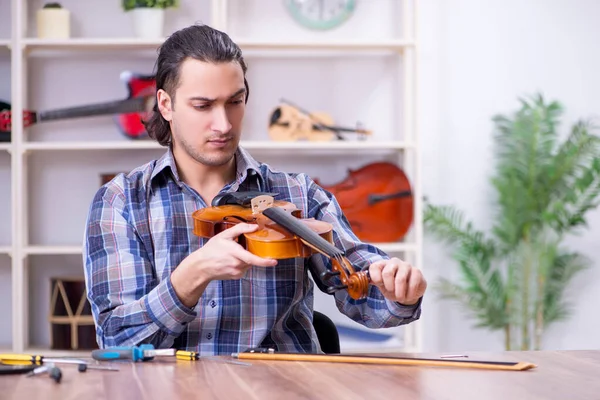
point(245, 165)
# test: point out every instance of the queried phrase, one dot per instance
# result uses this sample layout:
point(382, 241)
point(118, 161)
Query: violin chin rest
point(237, 198)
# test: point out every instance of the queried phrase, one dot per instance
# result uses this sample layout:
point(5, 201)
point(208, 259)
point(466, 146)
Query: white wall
point(476, 58)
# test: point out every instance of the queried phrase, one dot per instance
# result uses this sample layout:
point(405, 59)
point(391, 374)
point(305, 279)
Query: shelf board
point(346, 45)
point(5, 146)
point(104, 145)
point(244, 43)
point(4, 43)
point(76, 250)
point(250, 145)
point(51, 250)
point(47, 352)
point(5, 250)
point(396, 247)
point(91, 43)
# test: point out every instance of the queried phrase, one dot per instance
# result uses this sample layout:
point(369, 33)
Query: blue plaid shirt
point(140, 228)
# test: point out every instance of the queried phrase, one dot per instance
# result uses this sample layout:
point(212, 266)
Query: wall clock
point(320, 14)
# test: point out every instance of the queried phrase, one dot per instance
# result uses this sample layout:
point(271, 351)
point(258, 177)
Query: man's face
point(206, 117)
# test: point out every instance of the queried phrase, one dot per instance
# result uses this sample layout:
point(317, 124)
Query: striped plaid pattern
point(139, 228)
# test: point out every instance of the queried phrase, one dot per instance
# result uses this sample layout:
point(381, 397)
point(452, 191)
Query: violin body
point(288, 122)
point(270, 240)
point(377, 201)
point(282, 234)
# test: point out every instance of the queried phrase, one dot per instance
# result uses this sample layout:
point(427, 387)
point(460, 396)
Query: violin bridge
point(259, 203)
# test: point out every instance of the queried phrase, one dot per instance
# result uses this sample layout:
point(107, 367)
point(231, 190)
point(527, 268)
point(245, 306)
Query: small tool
point(187, 355)
point(52, 371)
point(27, 359)
point(192, 355)
point(144, 352)
point(15, 369)
point(85, 367)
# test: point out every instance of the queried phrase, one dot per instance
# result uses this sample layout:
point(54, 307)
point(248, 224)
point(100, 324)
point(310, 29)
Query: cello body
point(377, 201)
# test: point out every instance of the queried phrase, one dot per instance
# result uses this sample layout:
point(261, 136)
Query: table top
point(557, 375)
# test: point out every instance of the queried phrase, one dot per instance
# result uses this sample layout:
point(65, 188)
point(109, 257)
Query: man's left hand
point(398, 280)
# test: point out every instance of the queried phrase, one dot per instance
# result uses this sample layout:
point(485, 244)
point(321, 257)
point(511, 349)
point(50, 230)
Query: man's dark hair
point(199, 42)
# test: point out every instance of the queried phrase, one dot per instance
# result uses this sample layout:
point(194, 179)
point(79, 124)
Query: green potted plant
point(513, 278)
point(148, 16)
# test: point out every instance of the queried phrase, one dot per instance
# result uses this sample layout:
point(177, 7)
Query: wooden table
point(559, 375)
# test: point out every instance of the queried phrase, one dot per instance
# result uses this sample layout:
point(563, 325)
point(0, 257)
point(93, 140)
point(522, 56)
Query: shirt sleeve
point(129, 305)
point(374, 311)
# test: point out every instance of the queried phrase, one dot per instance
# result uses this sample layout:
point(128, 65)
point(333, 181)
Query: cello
point(377, 200)
point(282, 233)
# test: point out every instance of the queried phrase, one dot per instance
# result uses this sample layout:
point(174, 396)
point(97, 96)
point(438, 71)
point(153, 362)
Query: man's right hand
point(221, 258)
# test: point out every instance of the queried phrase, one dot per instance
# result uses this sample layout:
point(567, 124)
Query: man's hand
point(398, 280)
point(221, 258)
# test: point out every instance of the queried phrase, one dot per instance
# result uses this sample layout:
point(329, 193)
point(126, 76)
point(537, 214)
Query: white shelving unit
point(23, 47)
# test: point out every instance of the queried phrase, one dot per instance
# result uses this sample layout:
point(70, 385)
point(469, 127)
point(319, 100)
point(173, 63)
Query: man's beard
point(212, 160)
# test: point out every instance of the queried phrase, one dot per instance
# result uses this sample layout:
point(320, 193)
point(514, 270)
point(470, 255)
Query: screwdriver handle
point(21, 359)
point(135, 353)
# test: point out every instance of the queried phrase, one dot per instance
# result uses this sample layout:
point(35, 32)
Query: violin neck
point(292, 224)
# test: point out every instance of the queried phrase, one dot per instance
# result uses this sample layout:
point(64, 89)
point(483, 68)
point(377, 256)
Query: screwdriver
point(144, 352)
point(192, 355)
point(27, 359)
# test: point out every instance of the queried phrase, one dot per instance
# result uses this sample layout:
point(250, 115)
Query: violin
point(377, 200)
point(282, 233)
point(289, 122)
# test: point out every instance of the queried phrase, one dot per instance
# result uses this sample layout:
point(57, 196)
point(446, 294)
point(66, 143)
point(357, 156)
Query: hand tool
point(85, 367)
point(192, 355)
point(15, 369)
point(27, 359)
point(53, 372)
point(144, 352)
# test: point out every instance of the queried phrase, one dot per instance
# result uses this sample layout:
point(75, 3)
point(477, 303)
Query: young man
point(151, 280)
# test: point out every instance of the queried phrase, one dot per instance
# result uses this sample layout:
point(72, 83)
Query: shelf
point(347, 45)
point(5, 147)
point(395, 247)
point(4, 44)
point(106, 145)
point(250, 145)
point(245, 44)
point(5, 250)
point(51, 250)
point(46, 352)
point(76, 250)
point(91, 43)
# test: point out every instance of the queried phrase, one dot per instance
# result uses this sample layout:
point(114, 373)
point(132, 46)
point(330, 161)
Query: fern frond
point(564, 267)
point(485, 313)
point(448, 224)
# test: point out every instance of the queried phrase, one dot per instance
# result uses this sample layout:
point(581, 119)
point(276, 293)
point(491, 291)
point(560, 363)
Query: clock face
point(320, 14)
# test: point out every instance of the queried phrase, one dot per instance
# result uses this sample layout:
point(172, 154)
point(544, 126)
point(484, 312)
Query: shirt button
point(213, 303)
point(209, 335)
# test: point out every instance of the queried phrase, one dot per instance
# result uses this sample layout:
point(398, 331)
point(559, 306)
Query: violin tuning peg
point(333, 289)
point(326, 275)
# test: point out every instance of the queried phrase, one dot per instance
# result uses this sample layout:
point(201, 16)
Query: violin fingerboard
point(293, 225)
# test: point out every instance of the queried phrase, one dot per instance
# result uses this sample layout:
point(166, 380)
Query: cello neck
point(291, 223)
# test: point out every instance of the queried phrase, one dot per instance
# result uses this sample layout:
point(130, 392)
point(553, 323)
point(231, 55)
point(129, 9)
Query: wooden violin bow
point(382, 360)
